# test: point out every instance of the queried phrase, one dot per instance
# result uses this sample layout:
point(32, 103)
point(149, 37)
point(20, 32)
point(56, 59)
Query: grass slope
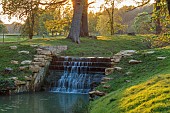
point(103, 46)
point(146, 90)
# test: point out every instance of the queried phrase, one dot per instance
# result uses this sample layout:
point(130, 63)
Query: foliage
point(3, 28)
point(146, 89)
point(93, 18)
point(103, 46)
point(102, 25)
point(162, 40)
point(7, 55)
point(6, 84)
point(143, 23)
point(61, 20)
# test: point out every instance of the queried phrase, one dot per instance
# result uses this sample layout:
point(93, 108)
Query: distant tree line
point(58, 17)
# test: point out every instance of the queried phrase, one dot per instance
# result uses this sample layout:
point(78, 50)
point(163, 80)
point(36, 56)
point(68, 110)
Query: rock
point(14, 78)
point(13, 47)
point(126, 52)
point(150, 52)
point(34, 45)
point(40, 56)
point(161, 58)
point(134, 61)
point(18, 82)
point(39, 49)
point(128, 73)
point(118, 68)
point(97, 93)
point(61, 48)
point(28, 78)
point(128, 81)
point(103, 82)
point(34, 68)
point(108, 71)
point(106, 79)
point(22, 68)
point(41, 64)
point(116, 58)
point(106, 86)
point(8, 70)
point(92, 92)
point(44, 52)
point(23, 52)
point(14, 62)
point(48, 58)
point(26, 62)
point(39, 59)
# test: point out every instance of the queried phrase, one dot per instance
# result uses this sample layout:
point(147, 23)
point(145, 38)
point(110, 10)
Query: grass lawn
point(146, 89)
point(103, 46)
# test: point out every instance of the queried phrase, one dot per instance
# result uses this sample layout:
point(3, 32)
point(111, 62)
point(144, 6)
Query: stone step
point(79, 68)
point(82, 59)
point(90, 64)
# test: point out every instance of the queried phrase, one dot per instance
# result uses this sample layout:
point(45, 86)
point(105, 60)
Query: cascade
point(78, 74)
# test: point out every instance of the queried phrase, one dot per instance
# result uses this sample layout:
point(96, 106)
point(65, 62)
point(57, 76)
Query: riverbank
point(138, 88)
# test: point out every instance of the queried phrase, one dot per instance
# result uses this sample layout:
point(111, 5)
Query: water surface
point(44, 102)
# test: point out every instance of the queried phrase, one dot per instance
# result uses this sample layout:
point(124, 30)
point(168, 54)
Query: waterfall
point(75, 78)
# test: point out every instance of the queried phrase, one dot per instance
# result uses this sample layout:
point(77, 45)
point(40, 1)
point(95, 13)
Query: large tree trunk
point(84, 21)
point(158, 23)
point(168, 2)
point(112, 18)
point(76, 21)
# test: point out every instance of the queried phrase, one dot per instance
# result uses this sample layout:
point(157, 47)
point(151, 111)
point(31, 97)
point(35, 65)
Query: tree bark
point(168, 2)
point(158, 23)
point(112, 18)
point(84, 21)
point(76, 21)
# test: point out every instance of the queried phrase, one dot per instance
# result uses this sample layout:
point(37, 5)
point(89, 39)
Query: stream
point(44, 102)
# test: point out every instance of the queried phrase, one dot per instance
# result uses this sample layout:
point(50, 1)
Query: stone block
point(13, 47)
point(134, 61)
point(14, 62)
point(108, 71)
point(26, 62)
point(34, 68)
point(23, 52)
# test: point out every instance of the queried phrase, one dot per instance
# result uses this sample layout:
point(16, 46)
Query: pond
point(44, 102)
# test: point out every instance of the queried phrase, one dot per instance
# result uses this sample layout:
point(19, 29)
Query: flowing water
point(43, 102)
point(75, 78)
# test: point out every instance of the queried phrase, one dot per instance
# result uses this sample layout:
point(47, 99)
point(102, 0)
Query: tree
point(22, 9)
point(60, 23)
point(84, 21)
point(143, 23)
point(76, 21)
point(168, 4)
point(26, 9)
point(103, 25)
point(3, 28)
point(157, 10)
point(93, 17)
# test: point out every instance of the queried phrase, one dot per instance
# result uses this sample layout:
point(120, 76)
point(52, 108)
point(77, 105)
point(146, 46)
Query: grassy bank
point(145, 90)
point(103, 46)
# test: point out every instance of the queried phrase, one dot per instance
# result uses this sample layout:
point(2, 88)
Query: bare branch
point(141, 4)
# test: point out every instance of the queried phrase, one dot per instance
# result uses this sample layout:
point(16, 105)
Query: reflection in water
point(42, 103)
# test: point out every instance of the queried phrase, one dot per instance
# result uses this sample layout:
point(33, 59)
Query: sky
point(95, 7)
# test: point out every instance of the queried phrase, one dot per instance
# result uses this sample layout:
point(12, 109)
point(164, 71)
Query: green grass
point(7, 55)
point(103, 46)
point(12, 39)
point(148, 90)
